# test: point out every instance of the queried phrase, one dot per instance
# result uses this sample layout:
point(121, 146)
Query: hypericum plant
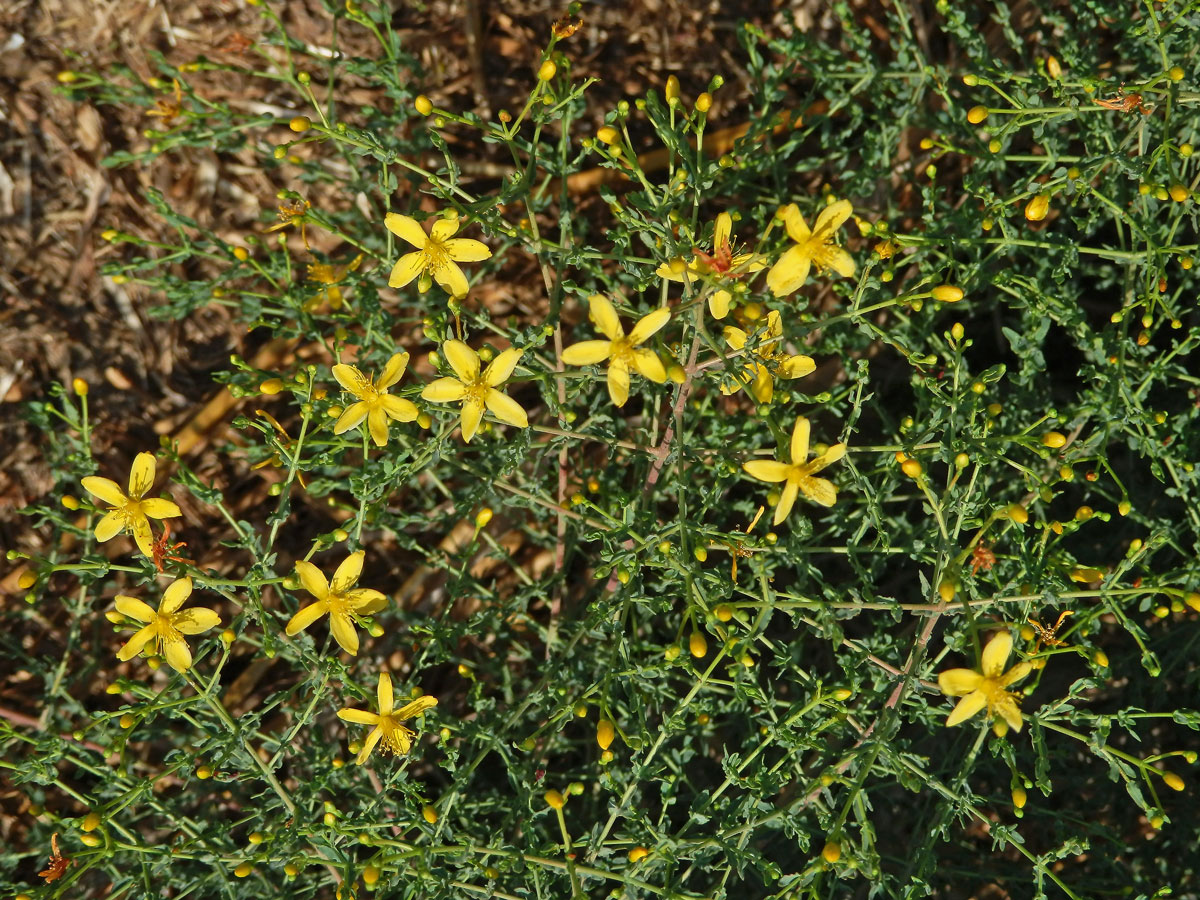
point(1002, 367)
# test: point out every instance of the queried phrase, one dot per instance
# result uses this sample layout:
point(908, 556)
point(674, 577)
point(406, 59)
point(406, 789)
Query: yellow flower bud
point(1037, 208)
point(1124, 507)
point(697, 645)
point(671, 91)
point(241, 253)
point(1018, 797)
point(704, 102)
point(1054, 439)
point(605, 733)
point(724, 612)
point(947, 589)
point(947, 293)
point(1179, 193)
point(581, 710)
point(1173, 781)
point(429, 814)
point(1100, 658)
point(90, 840)
point(831, 852)
point(1017, 513)
point(1054, 68)
point(608, 134)
point(637, 854)
point(26, 580)
point(483, 517)
point(300, 124)
point(700, 553)
point(423, 105)
point(911, 468)
point(676, 373)
point(66, 77)
point(79, 386)
point(204, 772)
point(271, 386)
point(1192, 599)
point(90, 822)
point(243, 870)
point(127, 721)
point(1175, 73)
point(977, 114)
point(554, 799)
point(547, 70)
point(370, 875)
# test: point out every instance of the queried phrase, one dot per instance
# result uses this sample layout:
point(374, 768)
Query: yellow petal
point(839, 260)
point(347, 572)
point(467, 250)
point(306, 617)
point(799, 444)
point(444, 390)
point(134, 645)
point(1010, 712)
point(647, 364)
point(377, 426)
point(443, 228)
point(463, 360)
point(415, 707)
point(365, 600)
point(177, 654)
point(141, 475)
point(718, 303)
point(648, 325)
point(109, 526)
point(452, 278)
point(196, 620)
point(506, 409)
point(139, 525)
point(398, 408)
point(604, 317)
point(392, 371)
point(722, 230)
point(996, 654)
point(819, 490)
point(797, 228)
point(350, 417)
point(383, 693)
point(789, 272)
point(762, 388)
point(830, 456)
point(797, 367)
point(133, 608)
point(966, 707)
point(351, 379)
point(769, 470)
point(618, 382)
point(369, 745)
point(1015, 674)
point(472, 413)
point(175, 595)
point(406, 228)
point(957, 682)
point(358, 716)
point(586, 353)
point(157, 508)
point(342, 628)
point(830, 219)
point(408, 267)
point(104, 488)
point(735, 337)
point(313, 579)
point(787, 498)
point(500, 368)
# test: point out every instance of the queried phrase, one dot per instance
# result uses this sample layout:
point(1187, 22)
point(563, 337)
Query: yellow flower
point(331, 276)
point(812, 247)
point(986, 687)
point(436, 256)
point(129, 513)
point(477, 390)
point(374, 403)
point(718, 267)
point(396, 738)
point(759, 373)
point(798, 473)
point(620, 350)
point(167, 626)
point(343, 602)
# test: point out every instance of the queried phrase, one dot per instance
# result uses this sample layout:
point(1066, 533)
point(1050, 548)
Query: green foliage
point(1024, 451)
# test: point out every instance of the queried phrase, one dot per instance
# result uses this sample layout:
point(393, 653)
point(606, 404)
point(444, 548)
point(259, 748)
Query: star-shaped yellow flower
point(129, 513)
point(477, 390)
point(620, 350)
point(373, 402)
point(798, 473)
point(814, 247)
point(437, 253)
point(341, 600)
point(396, 738)
point(719, 266)
point(986, 688)
point(167, 626)
point(766, 360)
point(330, 275)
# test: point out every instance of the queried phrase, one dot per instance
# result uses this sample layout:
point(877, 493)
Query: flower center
point(476, 392)
point(165, 631)
point(821, 251)
point(395, 736)
point(622, 350)
point(435, 255)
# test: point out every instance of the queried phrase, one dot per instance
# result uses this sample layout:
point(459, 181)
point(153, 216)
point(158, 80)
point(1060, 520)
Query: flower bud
point(697, 645)
point(423, 105)
point(977, 114)
point(1173, 781)
point(300, 124)
point(831, 852)
point(605, 733)
point(704, 102)
point(947, 293)
point(79, 386)
point(554, 799)
point(1054, 439)
point(547, 70)
point(1037, 208)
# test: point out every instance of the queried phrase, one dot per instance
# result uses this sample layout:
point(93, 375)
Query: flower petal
point(604, 317)
point(1009, 711)
point(966, 707)
point(830, 219)
point(134, 645)
point(109, 526)
point(392, 371)
point(472, 413)
point(350, 417)
point(787, 499)
point(358, 716)
point(828, 458)
point(406, 228)
point(365, 600)
point(793, 221)
point(797, 366)
point(647, 364)
point(799, 444)
point(762, 388)
point(957, 682)
point(995, 654)
point(398, 408)
point(618, 382)
point(444, 390)
point(769, 470)
point(139, 525)
point(313, 579)
point(505, 408)
point(648, 325)
point(342, 627)
point(443, 228)
point(1016, 673)
point(718, 303)
point(158, 508)
point(377, 425)
point(500, 368)
point(383, 693)
point(586, 353)
point(196, 620)
point(347, 572)
point(407, 267)
point(789, 272)
point(104, 488)
point(463, 360)
point(467, 250)
point(839, 260)
point(452, 278)
point(175, 595)
point(369, 745)
point(177, 654)
point(722, 230)
point(415, 707)
point(351, 379)
point(306, 617)
point(735, 337)
point(133, 608)
point(819, 490)
point(141, 475)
